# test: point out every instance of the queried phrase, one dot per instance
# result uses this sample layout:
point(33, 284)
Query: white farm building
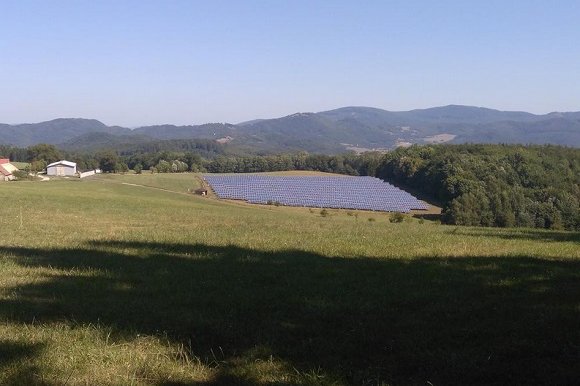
point(62, 168)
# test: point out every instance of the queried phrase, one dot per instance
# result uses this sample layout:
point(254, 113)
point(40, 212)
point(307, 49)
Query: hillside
point(205, 131)
point(101, 140)
point(348, 128)
point(54, 132)
point(133, 285)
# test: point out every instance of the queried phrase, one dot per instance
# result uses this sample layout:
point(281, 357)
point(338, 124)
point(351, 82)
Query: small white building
point(62, 169)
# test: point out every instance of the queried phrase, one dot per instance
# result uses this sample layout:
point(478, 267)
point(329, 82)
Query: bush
point(396, 217)
point(324, 213)
point(178, 166)
point(38, 166)
point(163, 167)
point(22, 175)
point(372, 219)
point(121, 168)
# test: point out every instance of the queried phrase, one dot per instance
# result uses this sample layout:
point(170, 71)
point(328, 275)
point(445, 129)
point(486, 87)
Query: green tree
point(178, 166)
point(121, 168)
point(43, 152)
point(163, 167)
point(38, 166)
point(108, 162)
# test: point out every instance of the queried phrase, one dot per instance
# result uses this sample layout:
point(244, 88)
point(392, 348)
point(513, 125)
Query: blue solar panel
point(367, 193)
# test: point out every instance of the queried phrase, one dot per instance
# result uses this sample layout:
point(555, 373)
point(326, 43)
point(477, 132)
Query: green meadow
point(130, 280)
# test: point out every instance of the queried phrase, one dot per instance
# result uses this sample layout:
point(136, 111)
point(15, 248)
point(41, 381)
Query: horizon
point(140, 63)
point(282, 116)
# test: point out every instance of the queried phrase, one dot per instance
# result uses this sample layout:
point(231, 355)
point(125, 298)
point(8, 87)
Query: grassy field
point(174, 182)
point(21, 165)
point(104, 281)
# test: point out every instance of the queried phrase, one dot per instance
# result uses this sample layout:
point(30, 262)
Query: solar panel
point(366, 193)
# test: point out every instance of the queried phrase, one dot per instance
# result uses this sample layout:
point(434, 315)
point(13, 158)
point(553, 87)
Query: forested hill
point(491, 185)
point(330, 132)
point(56, 131)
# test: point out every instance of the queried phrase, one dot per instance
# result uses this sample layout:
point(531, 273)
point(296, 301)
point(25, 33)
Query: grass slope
point(107, 283)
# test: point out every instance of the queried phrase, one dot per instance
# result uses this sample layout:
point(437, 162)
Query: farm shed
point(6, 169)
point(61, 168)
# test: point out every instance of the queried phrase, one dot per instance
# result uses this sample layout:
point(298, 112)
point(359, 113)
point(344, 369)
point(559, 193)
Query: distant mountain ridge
point(349, 128)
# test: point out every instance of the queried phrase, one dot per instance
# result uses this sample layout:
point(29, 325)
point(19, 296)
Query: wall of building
point(87, 174)
point(61, 170)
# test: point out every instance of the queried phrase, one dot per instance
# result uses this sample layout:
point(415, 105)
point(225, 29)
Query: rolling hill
point(347, 128)
point(130, 284)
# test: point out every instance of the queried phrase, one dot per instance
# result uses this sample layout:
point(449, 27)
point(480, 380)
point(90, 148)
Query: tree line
point(480, 185)
point(111, 161)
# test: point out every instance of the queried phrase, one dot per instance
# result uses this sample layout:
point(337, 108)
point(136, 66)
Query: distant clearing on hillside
point(439, 138)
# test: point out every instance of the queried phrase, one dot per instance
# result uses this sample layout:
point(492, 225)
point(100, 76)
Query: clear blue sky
point(184, 62)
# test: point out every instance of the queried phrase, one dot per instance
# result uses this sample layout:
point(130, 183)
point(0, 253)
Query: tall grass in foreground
point(105, 283)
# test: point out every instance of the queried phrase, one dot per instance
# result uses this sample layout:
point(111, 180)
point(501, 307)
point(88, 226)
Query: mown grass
point(106, 283)
point(174, 182)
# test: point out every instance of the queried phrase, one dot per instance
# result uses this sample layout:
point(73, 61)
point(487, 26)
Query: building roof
point(4, 161)
point(3, 171)
point(63, 162)
point(11, 168)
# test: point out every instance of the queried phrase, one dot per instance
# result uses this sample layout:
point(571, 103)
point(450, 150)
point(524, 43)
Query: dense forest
point(482, 185)
point(493, 185)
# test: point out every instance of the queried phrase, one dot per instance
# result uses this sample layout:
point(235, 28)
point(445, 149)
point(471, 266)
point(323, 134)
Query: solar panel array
point(365, 193)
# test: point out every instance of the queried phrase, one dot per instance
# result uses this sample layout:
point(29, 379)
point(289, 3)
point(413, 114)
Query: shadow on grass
point(482, 320)
point(10, 354)
point(518, 234)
